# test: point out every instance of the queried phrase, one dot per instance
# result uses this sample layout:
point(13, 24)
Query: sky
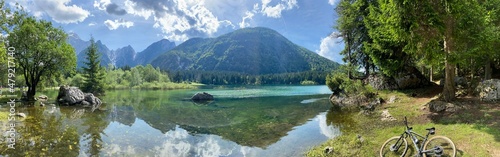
point(139, 23)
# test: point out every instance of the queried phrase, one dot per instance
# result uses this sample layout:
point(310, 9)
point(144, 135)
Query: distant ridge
point(125, 56)
point(249, 50)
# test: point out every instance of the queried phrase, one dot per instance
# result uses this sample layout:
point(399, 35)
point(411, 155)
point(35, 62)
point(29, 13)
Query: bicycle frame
point(415, 136)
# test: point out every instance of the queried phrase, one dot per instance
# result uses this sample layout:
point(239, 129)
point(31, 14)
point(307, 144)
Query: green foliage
point(308, 82)
point(42, 51)
point(93, 73)
point(3, 62)
point(340, 83)
point(77, 80)
point(139, 77)
point(352, 15)
point(389, 32)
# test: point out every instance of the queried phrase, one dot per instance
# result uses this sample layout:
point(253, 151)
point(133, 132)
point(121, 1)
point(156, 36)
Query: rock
point(74, 96)
point(202, 97)
point(412, 78)
point(70, 95)
point(386, 116)
point(328, 150)
point(409, 81)
point(381, 82)
point(392, 99)
point(460, 82)
point(92, 100)
point(437, 106)
point(489, 90)
point(43, 97)
point(21, 115)
point(451, 107)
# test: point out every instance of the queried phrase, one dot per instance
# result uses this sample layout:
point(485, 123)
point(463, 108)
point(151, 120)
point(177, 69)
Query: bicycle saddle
point(431, 130)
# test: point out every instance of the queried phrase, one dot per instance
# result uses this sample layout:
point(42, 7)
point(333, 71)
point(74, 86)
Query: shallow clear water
point(242, 121)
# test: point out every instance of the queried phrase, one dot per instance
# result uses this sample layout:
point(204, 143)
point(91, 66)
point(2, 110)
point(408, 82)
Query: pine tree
point(93, 72)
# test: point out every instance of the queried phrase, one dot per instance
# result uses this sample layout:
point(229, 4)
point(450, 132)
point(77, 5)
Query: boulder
point(437, 106)
point(74, 96)
point(489, 90)
point(202, 96)
point(381, 82)
point(403, 81)
point(70, 95)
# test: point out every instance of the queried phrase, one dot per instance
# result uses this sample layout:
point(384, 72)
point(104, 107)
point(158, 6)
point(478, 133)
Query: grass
point(475, 128)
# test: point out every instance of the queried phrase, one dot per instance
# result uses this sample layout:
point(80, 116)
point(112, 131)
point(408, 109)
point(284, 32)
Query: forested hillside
point(249, 50)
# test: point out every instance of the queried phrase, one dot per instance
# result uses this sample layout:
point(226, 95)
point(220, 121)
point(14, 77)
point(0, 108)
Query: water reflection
point(157, 123)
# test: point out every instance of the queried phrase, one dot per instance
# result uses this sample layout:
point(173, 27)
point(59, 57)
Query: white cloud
point(101, 5)
point(178, 19)
point(248, 16)
point(275, 11)
point(330, 48)
point(92, 24)
point(132, 8)
point(332, 2)
point(60, 11)
point(112, 25)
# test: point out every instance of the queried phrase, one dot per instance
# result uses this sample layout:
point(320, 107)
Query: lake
point(242, 121)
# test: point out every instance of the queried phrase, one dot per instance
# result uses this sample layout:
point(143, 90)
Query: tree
point(41, 51)
point(389, 33)
point(3, 62)
point(445, 29)
point(93, 73)
point(352, 29)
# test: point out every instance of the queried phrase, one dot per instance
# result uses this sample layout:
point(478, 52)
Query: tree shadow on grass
point(483, 115)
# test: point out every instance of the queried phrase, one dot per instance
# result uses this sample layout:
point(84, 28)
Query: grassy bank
point(474, 127)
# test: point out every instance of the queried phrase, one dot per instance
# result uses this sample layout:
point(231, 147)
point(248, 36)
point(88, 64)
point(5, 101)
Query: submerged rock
point(202, 96)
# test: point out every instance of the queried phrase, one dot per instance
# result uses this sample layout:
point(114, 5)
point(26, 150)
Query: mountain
point(103, 49)
point(153, 51)
point(249, 50)
point(125, 56)
point(75, 41)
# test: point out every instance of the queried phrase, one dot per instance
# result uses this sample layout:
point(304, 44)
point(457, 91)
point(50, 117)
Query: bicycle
point(440, 146)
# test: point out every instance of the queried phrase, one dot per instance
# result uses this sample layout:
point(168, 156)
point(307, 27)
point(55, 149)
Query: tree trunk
point(430, 74)
point(30, 95)
point(450, 68)
point(349, 74)
point(487, 70)
point(449, 82)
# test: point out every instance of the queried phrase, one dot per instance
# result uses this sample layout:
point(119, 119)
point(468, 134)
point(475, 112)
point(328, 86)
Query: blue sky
point(118, 23)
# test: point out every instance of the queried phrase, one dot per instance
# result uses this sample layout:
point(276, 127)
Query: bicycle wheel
point(440, 146)
point(394, 147)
